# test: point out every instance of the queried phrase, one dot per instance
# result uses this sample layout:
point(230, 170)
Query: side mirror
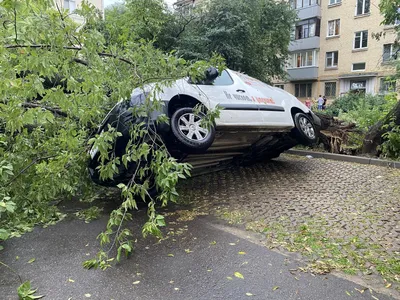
point(211, 74)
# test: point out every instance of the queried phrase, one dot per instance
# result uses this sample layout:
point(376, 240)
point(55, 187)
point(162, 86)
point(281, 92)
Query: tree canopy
point(252, 36)
point(60, 78)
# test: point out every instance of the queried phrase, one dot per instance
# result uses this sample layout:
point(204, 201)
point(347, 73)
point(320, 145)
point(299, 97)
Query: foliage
point(350, 102)
point(364, 110)
point(25, 292)
point(389, 9)
point(89, 214)
point(252, 36)
point(135, 20)
point(368, 110)
point(58, 82)
point(391, 146)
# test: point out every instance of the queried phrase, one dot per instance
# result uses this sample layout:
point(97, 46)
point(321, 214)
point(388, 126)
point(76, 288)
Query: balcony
point(309, 12)
point(304, 44)
point(304, 73)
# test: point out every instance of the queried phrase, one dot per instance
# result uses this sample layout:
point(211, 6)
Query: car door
point(230, 93)
point(271, 101)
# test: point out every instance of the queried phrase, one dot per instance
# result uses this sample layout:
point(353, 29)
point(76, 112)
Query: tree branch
point(15, 26)
point(53, 110)
point(69, 48)
point(27, 167)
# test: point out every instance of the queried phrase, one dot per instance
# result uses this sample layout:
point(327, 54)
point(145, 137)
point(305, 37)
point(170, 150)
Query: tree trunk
point(373, 138)
point(334, 134)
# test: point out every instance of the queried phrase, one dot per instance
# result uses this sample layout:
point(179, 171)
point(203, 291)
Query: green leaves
point(4, 234)
point(252, 36)
point(25, 292)
point(238, 275)
point(58, 83)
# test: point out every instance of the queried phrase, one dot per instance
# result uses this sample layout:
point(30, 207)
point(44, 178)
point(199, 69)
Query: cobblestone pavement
point(354, 199)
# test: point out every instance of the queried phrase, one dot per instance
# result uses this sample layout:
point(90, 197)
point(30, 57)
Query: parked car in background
point(256, 121)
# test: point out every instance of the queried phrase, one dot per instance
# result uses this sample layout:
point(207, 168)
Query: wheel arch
point(180, 101)
point(294, 110)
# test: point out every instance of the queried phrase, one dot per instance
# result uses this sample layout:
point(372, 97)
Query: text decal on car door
point(237, 97)
point(263, 100)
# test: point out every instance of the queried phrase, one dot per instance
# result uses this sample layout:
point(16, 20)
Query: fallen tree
point(335, 134)
point(375, 136)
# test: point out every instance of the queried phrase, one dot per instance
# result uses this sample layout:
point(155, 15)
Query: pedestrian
point(324, 104)
point(308, 103)
point(320, 102)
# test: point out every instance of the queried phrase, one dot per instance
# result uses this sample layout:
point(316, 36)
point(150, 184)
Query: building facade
point(335, 52)
point(73, 4)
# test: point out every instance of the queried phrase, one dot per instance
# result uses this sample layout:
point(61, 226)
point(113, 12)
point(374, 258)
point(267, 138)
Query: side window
point(223, 79)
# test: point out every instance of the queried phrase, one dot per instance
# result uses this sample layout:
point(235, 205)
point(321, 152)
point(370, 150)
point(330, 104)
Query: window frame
point(352, 67)
point(334, 84)
point(69, 5)
point(307, 25)
point(362, 33)
point(334, 2)
point(336, 23)
point(298, 57)
point(308, 88)
point(308, 3)
point(363, 12)
point(392, 51)
point(384, 81)
point(334, 57)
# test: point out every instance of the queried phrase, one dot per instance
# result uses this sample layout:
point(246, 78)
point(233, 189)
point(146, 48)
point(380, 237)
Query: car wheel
point(305, 131)
point(188, 130)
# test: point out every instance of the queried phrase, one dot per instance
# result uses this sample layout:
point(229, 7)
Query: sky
point(108, 2)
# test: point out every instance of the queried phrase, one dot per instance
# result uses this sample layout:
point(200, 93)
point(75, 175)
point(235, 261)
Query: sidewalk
point(198, 261)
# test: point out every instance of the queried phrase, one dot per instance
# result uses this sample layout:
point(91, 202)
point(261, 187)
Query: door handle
point(241, 91)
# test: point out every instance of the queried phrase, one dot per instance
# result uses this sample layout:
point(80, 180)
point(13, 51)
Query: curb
point(347, 158)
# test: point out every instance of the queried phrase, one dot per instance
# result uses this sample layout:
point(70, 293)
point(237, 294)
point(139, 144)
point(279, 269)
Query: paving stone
point(355, 200)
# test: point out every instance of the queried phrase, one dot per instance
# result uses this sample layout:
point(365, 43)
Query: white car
point(257, 121)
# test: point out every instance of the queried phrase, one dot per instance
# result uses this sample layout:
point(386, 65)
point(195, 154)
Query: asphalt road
point(197, 261)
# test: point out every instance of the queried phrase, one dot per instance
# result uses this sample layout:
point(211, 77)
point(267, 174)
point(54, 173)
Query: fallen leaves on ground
point(238, 275)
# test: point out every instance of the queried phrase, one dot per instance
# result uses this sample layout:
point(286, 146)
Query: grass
point(324, 252)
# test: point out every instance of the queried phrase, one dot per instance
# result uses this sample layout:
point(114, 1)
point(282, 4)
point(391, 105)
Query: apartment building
point(73, 4)
point(334, 52)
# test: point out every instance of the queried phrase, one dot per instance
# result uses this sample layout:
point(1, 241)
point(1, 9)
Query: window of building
point(332, 2)
point(332, 59)
point(362, 7)
point(307, 28)
point(388, 85)
point(303, 3)
point(70, 4)
point(389, 52)
point(330, 89)
point(302, 90)
point(281, 86)
point(303, 59)
point(334, 27)
point(357, 85)
point(361, 39)
point(358, 67)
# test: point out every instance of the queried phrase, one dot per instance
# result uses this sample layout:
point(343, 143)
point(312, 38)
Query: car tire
point(304, 132)
point(190, 134)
